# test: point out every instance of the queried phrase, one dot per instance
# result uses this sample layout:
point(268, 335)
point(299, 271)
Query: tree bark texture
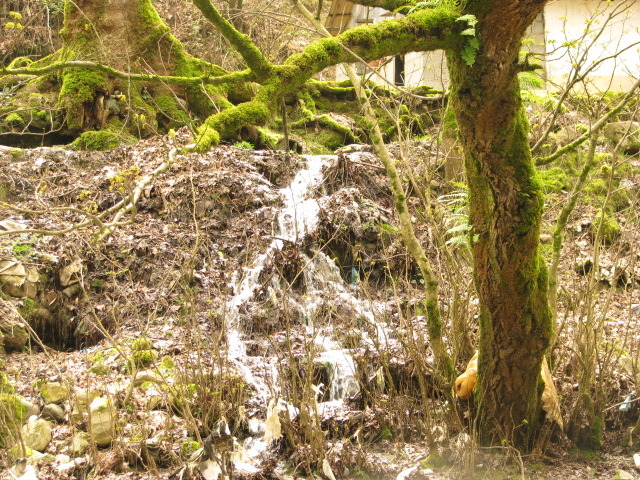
point(505, 211)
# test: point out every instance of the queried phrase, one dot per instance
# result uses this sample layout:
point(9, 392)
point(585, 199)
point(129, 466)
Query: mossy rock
point(555, 180)
point(5, 386)
point(141, 343)
point(144, 358)
point(13, 412)
point(96, 140)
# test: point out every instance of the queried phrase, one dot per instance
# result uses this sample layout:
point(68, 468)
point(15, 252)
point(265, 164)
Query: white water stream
point(297, 218)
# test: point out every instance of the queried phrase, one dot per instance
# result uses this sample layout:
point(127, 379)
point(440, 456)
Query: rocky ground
point(143, 345)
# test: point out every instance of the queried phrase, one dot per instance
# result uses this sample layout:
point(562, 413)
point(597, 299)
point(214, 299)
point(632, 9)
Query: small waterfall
point(342, 374)
point(324, 284)
point(298, 216)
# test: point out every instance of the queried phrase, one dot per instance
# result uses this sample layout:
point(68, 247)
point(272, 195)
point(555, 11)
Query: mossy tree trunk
point(127, 37)
point(505, 212)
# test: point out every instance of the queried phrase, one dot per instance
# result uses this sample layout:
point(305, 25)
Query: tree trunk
point(128, 37)
point(505, 211)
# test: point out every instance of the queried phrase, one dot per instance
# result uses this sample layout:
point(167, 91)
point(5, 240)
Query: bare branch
point(593, 130)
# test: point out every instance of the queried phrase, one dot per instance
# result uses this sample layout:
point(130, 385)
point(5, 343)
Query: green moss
point(20, 62)
point(100, 369)
point(29, 309)
point(169, 108)
point(12, 414)
point(96, 140)
point(189, 447)
point(555, 180)
point(79, 87)
point(5, 386)
point(14, 120)
point(607, 225)
point(167, 363)
point(449, 124)
point(142, 359)
point(141, 343)
point(16, 452)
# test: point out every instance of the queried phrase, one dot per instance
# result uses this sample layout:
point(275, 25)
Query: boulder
point(79, 444)
point(102, 421)
point(53, 412)
point(82, 400)
point(36, 434)
point(626, 134)
point(54, 392)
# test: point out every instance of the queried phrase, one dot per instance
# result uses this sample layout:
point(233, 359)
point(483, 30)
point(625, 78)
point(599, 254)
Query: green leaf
point(470, 19)
point(469, 31)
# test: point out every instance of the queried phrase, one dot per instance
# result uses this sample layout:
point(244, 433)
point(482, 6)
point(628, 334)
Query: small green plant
point(245, 145)
point(468, 53)
point(100, 369)
point(22, 249)
point(189, 447)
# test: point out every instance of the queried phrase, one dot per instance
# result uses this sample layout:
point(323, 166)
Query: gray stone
point(32, 408)
point(54, 392)
point(12, 328)
point(624, 475)
point(79, 444)
point(36, 434)
point(82, 400)
point(102, 421)
point(626, 134)
point(53, 412)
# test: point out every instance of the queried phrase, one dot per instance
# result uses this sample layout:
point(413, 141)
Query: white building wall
point(566, 21)
point(562, 21)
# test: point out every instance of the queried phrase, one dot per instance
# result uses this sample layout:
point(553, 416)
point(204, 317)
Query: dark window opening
point(398, 76)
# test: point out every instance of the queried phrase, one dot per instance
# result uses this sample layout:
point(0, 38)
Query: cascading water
point(297, 218)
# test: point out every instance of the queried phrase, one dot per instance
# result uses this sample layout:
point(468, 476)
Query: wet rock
point(54, 392)
point(36, 434)
point(53, 412)
point(102, 421)
point(79, 444)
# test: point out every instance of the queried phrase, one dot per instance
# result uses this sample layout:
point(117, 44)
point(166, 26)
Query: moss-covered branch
point(216, 76)
point(256, 61)
point(390, 5)
point(421, 31)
